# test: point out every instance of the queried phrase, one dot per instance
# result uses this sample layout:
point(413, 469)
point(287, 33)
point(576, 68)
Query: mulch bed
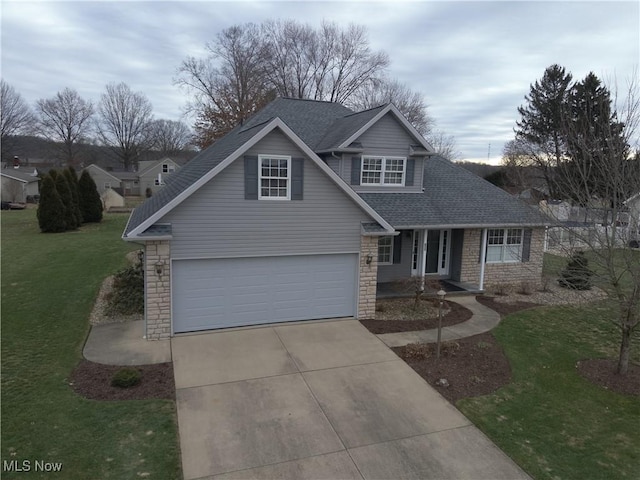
point(93, 380)
point(602, 372)
point(457, 314)
point(472, 366)
point(504, 308)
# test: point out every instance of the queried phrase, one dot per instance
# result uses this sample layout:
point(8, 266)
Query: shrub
point(577, 274)
point(62, 186)
point(89, 199)
point(525, 288)
point(50, 209)
point(72, 180)
point(418, 351)
point(502, 289)
point(449, 349)
point(127, 297)
point(126, 378)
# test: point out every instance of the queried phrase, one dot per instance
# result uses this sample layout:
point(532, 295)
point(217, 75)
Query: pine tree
point(72, 180)
point(50, 209)
point(541, 124)
point(90, 202)
point(62, 186)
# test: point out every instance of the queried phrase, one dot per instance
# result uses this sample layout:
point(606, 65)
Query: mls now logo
point(28, 465)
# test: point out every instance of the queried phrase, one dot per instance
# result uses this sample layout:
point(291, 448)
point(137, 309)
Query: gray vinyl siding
point(217, 221)
point(148, 178)
point(402, 270)
point(386, 137)
point(100, 178)
point(457, 242)
point(334, 163)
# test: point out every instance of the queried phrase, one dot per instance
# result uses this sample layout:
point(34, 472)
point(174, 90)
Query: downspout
point(483, 256)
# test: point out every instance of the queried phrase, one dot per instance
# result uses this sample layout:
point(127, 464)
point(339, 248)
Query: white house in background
point(19, 184)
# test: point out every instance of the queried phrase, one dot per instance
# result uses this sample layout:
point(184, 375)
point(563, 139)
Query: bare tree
point(608, 242)
point(16, 118)
point(444, 145)
point(409, 102)
point(124, 122)
point(65, 118)
point(169, 136)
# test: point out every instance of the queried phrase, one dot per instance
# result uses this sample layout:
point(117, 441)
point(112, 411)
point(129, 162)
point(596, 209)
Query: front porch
point(452, 287)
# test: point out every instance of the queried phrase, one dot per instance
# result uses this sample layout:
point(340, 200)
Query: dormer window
point(378, 170)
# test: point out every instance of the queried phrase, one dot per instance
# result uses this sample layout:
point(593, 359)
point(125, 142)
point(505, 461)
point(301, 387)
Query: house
point(19, 185)
point(633, 206)
point(301, 211)
point(151, 175)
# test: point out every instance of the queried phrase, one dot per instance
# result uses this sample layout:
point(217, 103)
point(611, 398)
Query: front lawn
point(550, 420)
point(49, 283)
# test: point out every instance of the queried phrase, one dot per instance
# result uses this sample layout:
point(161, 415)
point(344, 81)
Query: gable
point(386, 137)
point(218, 221)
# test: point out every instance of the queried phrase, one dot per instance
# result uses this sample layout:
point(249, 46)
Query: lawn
point(49, 283)
point(551, 421)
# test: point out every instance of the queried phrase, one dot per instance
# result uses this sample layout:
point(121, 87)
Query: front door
point(437, 244)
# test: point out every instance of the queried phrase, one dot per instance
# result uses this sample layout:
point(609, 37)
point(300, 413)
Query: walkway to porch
point(394, 290)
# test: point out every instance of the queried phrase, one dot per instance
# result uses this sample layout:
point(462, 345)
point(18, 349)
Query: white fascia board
point(14, 178)
point(148, 238)
point(103, 171)
point(631, 198)
point(389, 108)
point(275, 123)
point(471, 225)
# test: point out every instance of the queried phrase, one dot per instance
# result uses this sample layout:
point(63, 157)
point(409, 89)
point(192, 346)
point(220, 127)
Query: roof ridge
point(367, 110)
point(311, 100)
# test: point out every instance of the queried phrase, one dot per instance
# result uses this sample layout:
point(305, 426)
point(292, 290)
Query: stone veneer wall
point(368, 278)
point(501, 273)
point(158, 290)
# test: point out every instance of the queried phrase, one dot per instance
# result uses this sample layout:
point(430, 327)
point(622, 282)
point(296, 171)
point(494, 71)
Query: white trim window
point(385, 250)
point(107, 185)
point(383, 170)
point(504, 245)
point(274, 177)
point(167, 168)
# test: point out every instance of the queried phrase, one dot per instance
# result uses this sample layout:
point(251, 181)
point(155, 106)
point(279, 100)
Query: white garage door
point(232, 292)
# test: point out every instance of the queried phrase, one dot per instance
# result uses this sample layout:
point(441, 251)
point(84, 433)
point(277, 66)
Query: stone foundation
point(158, 290)
point(368, 278)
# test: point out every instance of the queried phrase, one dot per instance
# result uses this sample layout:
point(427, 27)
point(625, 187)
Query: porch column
point(483, 257)
point(368, 278)
point(157, 290)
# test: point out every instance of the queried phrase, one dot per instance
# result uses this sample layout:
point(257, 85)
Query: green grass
point(552, 422)
point(49, 283)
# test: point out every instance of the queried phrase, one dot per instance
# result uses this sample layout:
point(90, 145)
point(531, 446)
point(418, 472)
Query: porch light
point(369, 259)
point(159, 267)
point(441, 294)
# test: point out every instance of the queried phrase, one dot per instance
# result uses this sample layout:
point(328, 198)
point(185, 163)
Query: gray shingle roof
point(453, 196)
point(342, 128)
point(157, 230)
point(22, 175)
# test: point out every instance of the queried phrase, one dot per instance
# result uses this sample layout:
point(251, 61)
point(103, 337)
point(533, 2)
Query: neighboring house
point(633, 206)
point(19, 184)
point(151, 174)
point(104, 180)
point(110, 198)
point(154, 174)
point(301, 211)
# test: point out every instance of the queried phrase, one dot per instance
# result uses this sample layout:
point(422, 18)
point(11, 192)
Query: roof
point(454, 197)
point(20, 175)
point(111, 174)
point(344, 127)
point(152, 164)
point(214, 159)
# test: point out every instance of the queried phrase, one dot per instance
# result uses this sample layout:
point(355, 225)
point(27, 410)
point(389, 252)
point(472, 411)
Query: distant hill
point(39, 152)
point(480, 169)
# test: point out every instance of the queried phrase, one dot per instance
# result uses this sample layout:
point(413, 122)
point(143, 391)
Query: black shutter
point(251, 177)
point(526, 245)
point(297, 178)
point(397, 248)
point(355, 170)
point(411, 168)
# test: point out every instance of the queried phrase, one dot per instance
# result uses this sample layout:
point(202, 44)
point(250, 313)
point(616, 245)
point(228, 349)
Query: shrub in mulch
point(127, 296)
point(457, 314)
point(472, 366)
point(602, 372)
point(93, 381)
point(126, 378)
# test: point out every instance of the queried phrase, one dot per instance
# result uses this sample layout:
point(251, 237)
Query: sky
point(473, 61)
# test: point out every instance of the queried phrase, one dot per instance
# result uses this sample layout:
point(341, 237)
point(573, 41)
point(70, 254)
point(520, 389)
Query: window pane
point(513, 253)
point(384, 249)
point(495, 237)
point(514, 236)
point(494, 254)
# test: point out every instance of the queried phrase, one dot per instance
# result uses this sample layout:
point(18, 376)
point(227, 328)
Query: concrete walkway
point(483, 320)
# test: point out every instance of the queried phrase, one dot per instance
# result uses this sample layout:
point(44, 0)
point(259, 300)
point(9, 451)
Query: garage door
point(232, 292)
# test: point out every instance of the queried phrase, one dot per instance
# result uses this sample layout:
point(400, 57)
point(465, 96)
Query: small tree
point(72, 180)
point(62, 186)
point(50, 209)
point(90, 203)
point(577, 275)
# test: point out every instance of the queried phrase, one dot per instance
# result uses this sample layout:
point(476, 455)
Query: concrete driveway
point(318, 400)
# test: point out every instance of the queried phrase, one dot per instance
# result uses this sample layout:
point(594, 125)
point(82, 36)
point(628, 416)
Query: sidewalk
point(483, 320)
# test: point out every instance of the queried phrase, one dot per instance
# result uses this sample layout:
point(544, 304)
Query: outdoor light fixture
point(441, 293)
point(369, 259)
point(159, 267)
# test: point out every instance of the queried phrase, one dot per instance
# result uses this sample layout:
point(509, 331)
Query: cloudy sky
point(472, 61)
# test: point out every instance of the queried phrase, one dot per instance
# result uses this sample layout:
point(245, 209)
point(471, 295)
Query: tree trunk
point(625, 347)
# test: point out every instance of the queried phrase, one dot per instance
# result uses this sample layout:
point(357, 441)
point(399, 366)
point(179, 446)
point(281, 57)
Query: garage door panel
point(221, 293)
